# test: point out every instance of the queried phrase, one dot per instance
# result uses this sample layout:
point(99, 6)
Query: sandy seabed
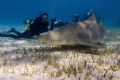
point(25, 59)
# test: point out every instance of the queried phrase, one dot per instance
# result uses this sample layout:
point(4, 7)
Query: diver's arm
point(9, 35)
point(13, 30)
point(17, 32)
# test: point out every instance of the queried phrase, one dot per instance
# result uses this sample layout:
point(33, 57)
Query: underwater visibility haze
point(66, 48)
point(13, 12)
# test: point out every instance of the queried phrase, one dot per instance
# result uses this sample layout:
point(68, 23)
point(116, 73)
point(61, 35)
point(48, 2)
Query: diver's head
point(76, 17)
point(76, 14)
point(44, 17)
point(28, 21)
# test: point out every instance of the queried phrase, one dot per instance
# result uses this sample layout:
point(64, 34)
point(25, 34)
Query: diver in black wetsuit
point(55, 23)
point(76, 17)
point(35, 27)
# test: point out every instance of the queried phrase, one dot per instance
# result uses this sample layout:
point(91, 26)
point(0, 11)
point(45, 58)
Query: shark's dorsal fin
point(91, 19)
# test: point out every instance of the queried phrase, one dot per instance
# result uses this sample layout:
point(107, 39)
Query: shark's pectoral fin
point(101, 45)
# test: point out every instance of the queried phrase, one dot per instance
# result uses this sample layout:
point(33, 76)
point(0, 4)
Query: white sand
point(11, 68)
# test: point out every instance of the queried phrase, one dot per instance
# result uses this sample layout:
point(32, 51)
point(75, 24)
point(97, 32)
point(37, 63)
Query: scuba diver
point(76, 17)
point(55, 23)
point(35, 27)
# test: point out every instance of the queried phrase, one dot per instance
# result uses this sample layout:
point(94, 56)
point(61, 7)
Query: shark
point(87, 33)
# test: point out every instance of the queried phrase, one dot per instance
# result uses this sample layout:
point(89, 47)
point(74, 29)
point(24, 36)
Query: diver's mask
point(44, 18)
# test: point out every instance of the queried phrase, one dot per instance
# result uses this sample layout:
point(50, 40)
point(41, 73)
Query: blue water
point(13, 12)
